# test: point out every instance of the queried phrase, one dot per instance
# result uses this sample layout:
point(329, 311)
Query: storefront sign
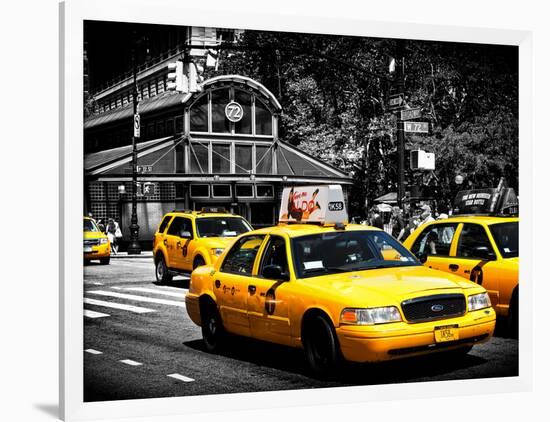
point(486, 201)
point(313, 204)
point(233, 111)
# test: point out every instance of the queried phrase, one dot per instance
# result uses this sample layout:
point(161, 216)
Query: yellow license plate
point(446, 333)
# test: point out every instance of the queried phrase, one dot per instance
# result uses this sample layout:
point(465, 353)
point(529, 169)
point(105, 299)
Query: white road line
point(175, 289)
point(93, 352)
point(130, 362)
point(136, 309)
point(137, 298)
point(181, 377)
point(93, 314)
point(180, 295)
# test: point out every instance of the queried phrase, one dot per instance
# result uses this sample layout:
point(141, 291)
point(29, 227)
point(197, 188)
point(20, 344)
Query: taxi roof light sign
point(313, 204)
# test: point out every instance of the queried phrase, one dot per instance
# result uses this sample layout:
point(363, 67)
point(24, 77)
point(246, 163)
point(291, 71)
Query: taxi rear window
point(164, 223)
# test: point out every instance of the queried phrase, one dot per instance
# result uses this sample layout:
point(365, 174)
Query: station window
point(199, 191)
point(264, 159)
point(263, 119)
point(220, 98)
point(199, 157)
point(221, 160)
point(221, 191)
point(264, 191)
point(245, 100)
point(243, 159)
point(199, 115)
point(244, 191)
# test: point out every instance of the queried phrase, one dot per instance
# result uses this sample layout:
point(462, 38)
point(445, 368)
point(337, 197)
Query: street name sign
point(396, 100)
point(145, 169)
point(411, 113)
point(416, 127)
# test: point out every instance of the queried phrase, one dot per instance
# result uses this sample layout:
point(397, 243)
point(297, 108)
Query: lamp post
point(134, 247)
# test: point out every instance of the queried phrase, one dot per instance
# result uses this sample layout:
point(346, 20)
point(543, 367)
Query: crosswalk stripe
point(137, 298)
point(93, 314)
point(172, 288)
point(181, 377)
point(180, 294)
point(135, 309)
point(131, 362)
point(93, 352)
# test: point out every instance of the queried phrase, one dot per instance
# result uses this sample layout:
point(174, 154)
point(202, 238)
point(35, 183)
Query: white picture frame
point(72, 15)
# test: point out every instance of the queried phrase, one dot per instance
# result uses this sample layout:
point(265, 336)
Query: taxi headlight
point(478, 301)
point(370, 316)
point(216, 251)
point(103, 241)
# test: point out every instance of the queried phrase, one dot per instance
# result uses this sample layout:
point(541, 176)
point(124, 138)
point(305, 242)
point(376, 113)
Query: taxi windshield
point(345, 251)
point(90, 226)
point(506, 238)
point(221, 226)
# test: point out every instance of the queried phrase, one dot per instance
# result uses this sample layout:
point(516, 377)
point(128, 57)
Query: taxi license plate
point(87, 249)
point(446, 333)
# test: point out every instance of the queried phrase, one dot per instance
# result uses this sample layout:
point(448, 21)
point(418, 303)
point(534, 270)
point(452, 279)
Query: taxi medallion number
point(446, 333)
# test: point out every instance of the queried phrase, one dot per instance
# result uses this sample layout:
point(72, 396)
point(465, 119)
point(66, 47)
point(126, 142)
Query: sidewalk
point(144, 254)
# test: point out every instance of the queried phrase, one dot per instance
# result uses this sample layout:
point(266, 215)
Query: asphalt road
point(140, 343)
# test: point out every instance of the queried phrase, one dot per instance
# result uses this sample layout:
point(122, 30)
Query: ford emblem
point(437, 308)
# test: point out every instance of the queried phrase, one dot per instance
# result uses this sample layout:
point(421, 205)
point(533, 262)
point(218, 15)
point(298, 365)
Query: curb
point(143, 255)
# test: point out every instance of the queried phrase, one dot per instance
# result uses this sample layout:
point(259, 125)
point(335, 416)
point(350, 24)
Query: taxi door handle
point(251, 289)
point(453, 267)
point(178, 244)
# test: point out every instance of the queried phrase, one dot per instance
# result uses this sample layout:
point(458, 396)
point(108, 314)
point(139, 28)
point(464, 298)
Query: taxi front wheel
point(321, 346)
point(161, 272)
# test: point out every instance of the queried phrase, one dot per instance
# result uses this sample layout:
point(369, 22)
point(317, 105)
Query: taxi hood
point(94, 235)
point(218, 242)
point(382, 287)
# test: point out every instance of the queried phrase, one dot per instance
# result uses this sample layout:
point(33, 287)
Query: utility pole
point(134, 247)
point(400, 84)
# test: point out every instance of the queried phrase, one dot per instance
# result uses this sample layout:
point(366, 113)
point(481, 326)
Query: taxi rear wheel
point(211, 327)
point(198, 262)
point(161, 272)
point(321, 346)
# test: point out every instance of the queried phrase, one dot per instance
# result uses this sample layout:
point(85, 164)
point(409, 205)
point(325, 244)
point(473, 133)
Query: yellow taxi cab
point(186, 240)
point(480, 248)
point(337, 290)
point(96, 243)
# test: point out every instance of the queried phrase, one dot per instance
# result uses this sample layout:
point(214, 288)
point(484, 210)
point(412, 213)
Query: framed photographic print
point(301, 210)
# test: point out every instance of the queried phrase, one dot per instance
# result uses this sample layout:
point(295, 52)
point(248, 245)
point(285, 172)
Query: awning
point(388, 198)
point(147, 105)
point(100, 162)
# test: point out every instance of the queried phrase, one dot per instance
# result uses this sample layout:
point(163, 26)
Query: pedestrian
point(375, 218)
point(397, 222)
point(426, 214)
point(113, 233)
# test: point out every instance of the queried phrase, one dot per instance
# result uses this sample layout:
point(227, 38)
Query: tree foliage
point(334, 105)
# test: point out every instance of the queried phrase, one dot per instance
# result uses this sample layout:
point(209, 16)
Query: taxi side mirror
point(423, 257)
point(275, 272)
point(184, 234)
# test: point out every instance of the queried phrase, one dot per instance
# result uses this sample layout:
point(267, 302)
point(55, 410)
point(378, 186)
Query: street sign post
point(411, 113)
point(396, 100)
point(416, 127)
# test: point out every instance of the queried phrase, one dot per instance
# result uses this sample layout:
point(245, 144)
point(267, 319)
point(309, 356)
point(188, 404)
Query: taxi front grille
point(91, 242)
point(429, 308)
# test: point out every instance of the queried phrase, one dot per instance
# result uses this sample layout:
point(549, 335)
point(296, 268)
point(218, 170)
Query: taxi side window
point(178, 225)
point(240, 259)
point(435, 240)
point(275, 254)
point(472, 238)
point(164, 223)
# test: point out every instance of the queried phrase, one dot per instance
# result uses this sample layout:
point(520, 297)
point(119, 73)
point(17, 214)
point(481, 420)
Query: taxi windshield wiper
point(326, 270)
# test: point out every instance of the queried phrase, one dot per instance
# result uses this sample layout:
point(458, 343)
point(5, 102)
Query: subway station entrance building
point(220, 148)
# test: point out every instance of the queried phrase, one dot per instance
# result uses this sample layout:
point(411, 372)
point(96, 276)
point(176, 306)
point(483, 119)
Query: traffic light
point(194, 85)
point(177, 79)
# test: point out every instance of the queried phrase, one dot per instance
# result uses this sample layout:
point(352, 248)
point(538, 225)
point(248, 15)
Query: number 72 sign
point(233, 111)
